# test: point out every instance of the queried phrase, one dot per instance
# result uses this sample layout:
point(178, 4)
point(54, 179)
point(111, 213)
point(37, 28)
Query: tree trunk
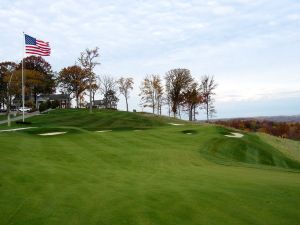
point(8, 111)
point(153, 106)
point(179, 114)
point(159, 102)
point(174, 110)
point(158, 108)
point(191, 113)
point(35, 100)
point(126, 103)
point(91, 104)
point(207, 118)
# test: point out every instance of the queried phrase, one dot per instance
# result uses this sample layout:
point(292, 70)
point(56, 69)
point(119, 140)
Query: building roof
point(59, 97)
point(99, 102)
point(54, 97)
point(102, 103)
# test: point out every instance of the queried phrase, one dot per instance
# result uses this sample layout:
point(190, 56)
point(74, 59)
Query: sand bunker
point(188, 133)
point(16, 129)
point(234, 135)
point(52, 133)
point(103, 131)
point(176, 124)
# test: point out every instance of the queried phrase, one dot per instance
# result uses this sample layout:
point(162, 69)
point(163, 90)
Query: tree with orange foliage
point(74, 80)
point(39, 64)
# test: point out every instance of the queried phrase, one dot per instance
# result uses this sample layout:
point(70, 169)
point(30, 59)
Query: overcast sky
point(251, 47)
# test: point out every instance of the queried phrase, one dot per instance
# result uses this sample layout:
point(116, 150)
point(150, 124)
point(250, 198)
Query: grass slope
point(158, 176)
point(250, 149)
point(99, 119)
point(286, 146)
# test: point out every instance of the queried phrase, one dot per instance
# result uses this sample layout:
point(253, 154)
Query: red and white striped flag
point(36, 47)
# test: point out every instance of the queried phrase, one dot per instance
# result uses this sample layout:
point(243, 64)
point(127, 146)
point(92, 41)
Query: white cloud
point(294, 17)
point(221, 9)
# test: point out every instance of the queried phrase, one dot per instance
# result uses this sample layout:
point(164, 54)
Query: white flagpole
point(23, 88)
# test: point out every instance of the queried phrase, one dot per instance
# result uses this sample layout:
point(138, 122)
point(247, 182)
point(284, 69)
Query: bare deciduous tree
point(159, 91)
point(87, 60)
point(125, 85)
point(177, 81)
point(95, 86)
point(207, 87)
point(152, 93)
point(106, 83)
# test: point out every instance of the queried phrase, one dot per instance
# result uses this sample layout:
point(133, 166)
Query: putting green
point(159, 175)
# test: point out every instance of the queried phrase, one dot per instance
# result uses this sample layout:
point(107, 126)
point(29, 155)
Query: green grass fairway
point(144, 172)
point(3, 117)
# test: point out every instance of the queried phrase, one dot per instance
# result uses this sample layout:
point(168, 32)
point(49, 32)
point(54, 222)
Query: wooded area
point(279, 129)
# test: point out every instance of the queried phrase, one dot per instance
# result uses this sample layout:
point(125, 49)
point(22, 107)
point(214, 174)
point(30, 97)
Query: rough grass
point(286, 146)
point(250, 150)
point(159, 175)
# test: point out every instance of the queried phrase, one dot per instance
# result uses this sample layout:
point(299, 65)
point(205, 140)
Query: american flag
point(36, 47)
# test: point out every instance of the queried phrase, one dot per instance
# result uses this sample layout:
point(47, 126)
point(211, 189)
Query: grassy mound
point(250, 150)
point(99, 119)
point(159, 175)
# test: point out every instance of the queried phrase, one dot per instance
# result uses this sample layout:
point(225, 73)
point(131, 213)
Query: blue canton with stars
point(29, 40)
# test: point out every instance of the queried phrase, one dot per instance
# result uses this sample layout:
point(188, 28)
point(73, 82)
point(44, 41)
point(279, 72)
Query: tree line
point(177, 90)
point(180, 93)
point(279, 129)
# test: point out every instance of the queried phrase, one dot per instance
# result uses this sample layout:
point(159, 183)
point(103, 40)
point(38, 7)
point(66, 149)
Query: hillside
point(285, 146)
point(143, 170)
point(99, 119)
point(250, 149)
